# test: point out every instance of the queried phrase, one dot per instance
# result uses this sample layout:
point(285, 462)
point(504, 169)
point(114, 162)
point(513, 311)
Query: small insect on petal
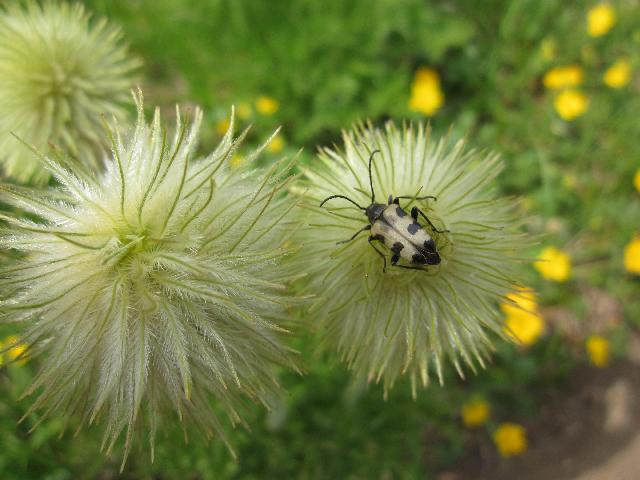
point(408, 252)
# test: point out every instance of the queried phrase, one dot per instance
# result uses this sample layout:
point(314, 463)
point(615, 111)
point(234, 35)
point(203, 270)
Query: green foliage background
point(330, 64)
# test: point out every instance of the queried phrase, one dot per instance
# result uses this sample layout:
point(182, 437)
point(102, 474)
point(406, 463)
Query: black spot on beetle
point(434, 259)
point(413, 228)
point(418, 258)
point(397, 247)
point(400, 212)
point(429, 245)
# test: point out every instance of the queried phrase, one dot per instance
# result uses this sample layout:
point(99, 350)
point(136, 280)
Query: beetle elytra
point(401, 233)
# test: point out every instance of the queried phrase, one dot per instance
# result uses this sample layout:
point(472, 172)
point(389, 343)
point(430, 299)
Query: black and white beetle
point(403, 235)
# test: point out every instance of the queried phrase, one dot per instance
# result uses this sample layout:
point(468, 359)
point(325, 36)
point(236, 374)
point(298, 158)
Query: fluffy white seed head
point(158, 284)
point(59, 72)
point(407, 321)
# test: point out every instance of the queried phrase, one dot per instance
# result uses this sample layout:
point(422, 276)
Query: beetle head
point(374, 211)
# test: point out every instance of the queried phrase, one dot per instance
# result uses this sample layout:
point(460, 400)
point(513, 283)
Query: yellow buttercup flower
point(523, 323)
point(600, 19)
point(632, 256)
point(236, 161)
point(276, 144)
point(426, 94)
point(525, 328)
point(222, 126)
point(554, 264)
point(267, 105)
point(426, 75)
point(524, 300)
point(571, 104)
point(475, 413)
point(510, 439)
point(563, 77)
point(243, 110)
point(16, 350)
point(598, 350)
point(618, 74)
point(636, 180)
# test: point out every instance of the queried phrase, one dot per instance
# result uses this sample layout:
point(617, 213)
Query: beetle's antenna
point(373, 195)
point(341, 196)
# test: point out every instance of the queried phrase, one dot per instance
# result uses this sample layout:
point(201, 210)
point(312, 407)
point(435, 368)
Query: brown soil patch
point(588, 431)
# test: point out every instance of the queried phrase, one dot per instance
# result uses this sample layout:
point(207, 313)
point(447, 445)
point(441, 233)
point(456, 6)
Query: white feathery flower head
point(157, 284)
point(59, 72)
point(407, 320)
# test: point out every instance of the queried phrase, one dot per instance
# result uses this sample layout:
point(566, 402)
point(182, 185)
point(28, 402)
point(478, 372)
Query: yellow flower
point(16, 350)
point(267, 105)
point(236, 161)
point(632, 256)
point(426, 94)
point(548, 49)
point(523, 323)
point(276, 144)
point(222, 126)
point(618, 74)
point(636, 180)
point(525, 327)
point(600, 19)
point(426, 75)
point(475, 413)
point(598, 350)
point(524, 300)
point(510, 439)
point(554, 264)
point(571, 104)
point(244, 110)
point(562, 77)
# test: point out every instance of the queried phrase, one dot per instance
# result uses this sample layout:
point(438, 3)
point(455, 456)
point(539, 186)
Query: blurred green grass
point(329, 64)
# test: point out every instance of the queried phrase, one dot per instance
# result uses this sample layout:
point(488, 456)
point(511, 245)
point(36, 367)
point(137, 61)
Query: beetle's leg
point(394, 259)
point(390, 199)
point(384, 258)
point(414, 214)
point(364, 229)
point(396, 200)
